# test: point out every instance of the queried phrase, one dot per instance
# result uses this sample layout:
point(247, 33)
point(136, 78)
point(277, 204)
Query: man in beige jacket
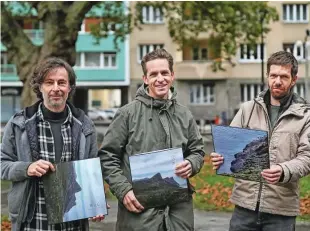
point(273, 206)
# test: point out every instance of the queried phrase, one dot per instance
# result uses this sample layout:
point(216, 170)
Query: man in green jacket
point(274, 205)
point(153, 121)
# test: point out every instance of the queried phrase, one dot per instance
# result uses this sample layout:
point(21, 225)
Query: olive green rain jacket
point(147, 124)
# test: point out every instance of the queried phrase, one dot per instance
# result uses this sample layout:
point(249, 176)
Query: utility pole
point(262, 47)
point(307, 48)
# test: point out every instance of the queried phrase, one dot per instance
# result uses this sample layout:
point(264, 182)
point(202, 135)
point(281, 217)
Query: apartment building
point(102, 71)
point(209, 93)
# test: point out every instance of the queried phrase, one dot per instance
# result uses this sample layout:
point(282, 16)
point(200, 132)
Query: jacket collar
point(27, 120)
point(290, 104)
point(143, 96)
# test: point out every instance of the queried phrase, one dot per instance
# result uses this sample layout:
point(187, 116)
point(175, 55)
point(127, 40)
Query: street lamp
point(307, 60)
point(262, 13)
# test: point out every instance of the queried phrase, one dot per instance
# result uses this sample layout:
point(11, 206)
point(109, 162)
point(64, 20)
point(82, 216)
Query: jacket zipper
point(269, 137)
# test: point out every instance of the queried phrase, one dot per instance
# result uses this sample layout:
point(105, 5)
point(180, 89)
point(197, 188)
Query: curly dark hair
point(283, 58)
point(44, 68)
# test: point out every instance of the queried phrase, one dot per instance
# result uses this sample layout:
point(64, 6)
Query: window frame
point(101, 60)
point(209, 87)
point(286, 8)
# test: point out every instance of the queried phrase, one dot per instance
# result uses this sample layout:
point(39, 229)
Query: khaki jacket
point(289, 147)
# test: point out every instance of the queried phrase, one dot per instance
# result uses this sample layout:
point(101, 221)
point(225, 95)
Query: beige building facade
point(209, 93)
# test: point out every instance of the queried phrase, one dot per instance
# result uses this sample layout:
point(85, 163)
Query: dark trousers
point(248, 220)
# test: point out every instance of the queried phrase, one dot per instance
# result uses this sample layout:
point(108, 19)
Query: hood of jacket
point(291, 102)
point(143, 96)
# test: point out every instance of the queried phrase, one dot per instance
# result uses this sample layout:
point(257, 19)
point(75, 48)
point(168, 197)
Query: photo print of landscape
point(75, 191)
point(154, 181)
point(245, 151)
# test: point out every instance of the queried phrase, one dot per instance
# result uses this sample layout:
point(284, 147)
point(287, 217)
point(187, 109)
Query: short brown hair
point(44, 68)
point(157, 54)
point(283, 58)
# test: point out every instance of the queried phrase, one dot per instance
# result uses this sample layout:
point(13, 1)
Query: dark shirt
point(56, 119)
point(274, 114)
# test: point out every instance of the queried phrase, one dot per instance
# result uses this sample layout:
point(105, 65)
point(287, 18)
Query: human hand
point(99, 217)
point(273, 174)
point(39, 168)
point(131, 203)
point(184, 169)
point(217, 160)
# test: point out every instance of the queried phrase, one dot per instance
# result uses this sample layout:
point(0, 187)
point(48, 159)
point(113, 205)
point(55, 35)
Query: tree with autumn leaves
point(227, 24)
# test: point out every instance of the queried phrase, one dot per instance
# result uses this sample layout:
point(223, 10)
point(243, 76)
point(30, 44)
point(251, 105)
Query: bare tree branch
point(76, 13)
point(13, 36)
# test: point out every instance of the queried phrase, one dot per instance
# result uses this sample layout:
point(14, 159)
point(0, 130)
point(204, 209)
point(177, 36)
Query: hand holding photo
point(245, 151)
point(154, 180)
point(74, 191)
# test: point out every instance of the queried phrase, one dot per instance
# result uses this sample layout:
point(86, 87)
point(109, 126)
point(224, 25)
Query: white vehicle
point(110, 112)
point(97, 114)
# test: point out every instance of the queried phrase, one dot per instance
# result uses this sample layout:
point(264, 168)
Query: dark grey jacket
point(20, 148)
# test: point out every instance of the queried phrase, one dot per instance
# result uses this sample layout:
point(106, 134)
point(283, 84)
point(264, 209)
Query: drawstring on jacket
point(151, 117)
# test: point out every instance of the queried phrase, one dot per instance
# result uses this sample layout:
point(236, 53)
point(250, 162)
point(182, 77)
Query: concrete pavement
point(204, 221)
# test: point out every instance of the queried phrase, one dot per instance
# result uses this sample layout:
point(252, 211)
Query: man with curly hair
point(48, 132)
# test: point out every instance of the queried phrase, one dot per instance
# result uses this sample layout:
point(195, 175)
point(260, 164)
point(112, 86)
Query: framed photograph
point(245, 151)
point(154, 182)
point(74, 191)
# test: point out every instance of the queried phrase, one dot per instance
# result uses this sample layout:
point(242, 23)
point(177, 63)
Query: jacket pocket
point(15, 197)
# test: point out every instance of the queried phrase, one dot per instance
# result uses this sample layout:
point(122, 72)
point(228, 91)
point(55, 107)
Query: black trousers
point(248, 220)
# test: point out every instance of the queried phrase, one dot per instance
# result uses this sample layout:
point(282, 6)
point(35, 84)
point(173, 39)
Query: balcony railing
point(36, 36)
point(8, 69)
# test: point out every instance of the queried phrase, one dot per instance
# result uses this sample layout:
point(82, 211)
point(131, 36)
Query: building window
point(249, 54)
point(202, 94)
point(297, 49)
point(152, 15)
point(92, 59)
point(295, 13)
point(249, 91)
point(300, 89)
point(144, 49)
point(200, 53)
point(109, 59)
point(96, 59)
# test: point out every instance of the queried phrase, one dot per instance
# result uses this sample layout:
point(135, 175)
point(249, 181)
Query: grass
point(5, 184)
point(213, 191)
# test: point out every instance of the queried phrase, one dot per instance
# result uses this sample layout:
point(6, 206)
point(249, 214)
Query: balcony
point(8, 69)
point(199, 70)
point(36, 36)
point(8, 73)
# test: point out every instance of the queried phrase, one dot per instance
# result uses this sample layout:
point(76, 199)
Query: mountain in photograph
point(156, 181)
point(252, 159)
point(158, 191)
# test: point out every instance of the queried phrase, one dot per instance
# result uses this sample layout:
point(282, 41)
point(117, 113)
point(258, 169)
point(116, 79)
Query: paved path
point(204, 221)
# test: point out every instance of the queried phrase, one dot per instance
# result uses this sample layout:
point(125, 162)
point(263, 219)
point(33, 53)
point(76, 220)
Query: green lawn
point(5, 184)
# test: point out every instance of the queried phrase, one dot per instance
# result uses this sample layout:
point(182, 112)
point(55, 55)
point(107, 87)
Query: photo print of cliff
point(245, 151)
point(74, 191)
point(154, 181)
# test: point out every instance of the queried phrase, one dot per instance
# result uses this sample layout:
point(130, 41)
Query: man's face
point(159, 78)
point(280, 81)
point(55, 89)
